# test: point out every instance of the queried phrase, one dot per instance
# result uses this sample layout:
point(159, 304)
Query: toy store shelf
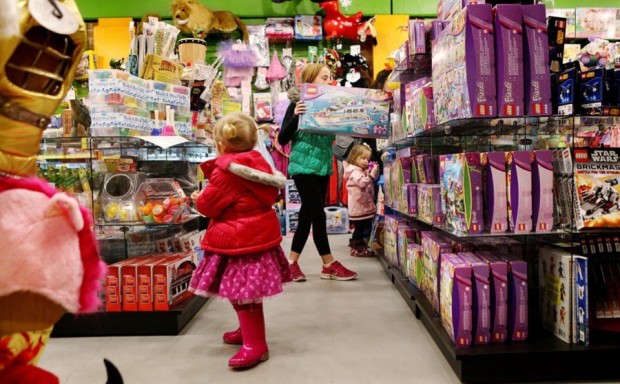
point(142, 224)
point(122, 140)
point(130, 323)
point(77, 156)
point(448, 231)
point(540, 358)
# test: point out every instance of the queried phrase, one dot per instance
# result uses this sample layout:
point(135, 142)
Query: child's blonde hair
point(357, 151)
point(236, 131)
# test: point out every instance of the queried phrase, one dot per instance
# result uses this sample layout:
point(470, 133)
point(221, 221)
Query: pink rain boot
point(233, 337)
point(254, 349)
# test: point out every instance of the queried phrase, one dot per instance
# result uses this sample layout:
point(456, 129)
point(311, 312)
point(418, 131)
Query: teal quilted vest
point(311, 153)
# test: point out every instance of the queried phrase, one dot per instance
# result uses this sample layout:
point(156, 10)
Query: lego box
point(348, 111)
point(517, 297)
point(542, 191)
point(597, 178)
point(461, 191)
point(519, 179)
point(171, 279)
point(455, 299)
point(429, 204)
point(433, 246)
point(464, 67)
point(509, 59)
point(496, 213)
point(499, 296)
point(481, 298)
point(537, 81)
point(554, 280)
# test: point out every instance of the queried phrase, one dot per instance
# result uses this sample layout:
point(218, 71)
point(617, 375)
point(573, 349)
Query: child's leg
point(233, 337)
point(252, 324)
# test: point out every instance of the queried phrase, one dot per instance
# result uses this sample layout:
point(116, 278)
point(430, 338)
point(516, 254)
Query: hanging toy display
point(239, 62)
point(336, 25)
point(275, 74)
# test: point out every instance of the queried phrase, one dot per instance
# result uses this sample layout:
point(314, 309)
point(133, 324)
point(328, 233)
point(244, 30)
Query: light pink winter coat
point(361, 191)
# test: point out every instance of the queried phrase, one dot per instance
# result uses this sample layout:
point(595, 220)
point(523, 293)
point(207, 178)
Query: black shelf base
point(130, 323)
point(540, 358)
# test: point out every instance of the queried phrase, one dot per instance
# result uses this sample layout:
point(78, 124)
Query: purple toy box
point(429, 204)
point(424, 168)
point(509, 59)
point(464, 67)
point(406, 235)
point(496, 214)
point(412, 199)
point(519, 178)
point(542, 191)
point(416, 123)
point(499, 296)
point(461, 190)
point(455, 299)
point(418, 37)
point(433, 246)
point(481, 298)
point(449, 9)
point(537, 86)
point(517, 297)
point(422, 105)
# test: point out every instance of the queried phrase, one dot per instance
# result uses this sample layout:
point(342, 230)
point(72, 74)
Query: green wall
point(94, 9)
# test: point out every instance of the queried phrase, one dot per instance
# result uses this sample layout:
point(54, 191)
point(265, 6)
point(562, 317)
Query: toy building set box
point(597, 179)
point(348, 111)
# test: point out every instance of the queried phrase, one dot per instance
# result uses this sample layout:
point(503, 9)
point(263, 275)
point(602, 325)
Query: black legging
point(312, 191)
point(362, 229)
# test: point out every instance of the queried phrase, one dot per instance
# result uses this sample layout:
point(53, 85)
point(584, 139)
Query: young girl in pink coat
point(243, 260)
point(361, 176)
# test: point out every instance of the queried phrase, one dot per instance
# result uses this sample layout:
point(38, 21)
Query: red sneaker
point(296, 273)
point(337, 271)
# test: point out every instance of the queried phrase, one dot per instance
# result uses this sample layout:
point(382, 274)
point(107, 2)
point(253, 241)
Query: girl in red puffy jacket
point(361, 177)
point(243, 260)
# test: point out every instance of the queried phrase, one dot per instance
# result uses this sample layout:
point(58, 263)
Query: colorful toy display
point(161, 201)
point(455, 299)
point(196, 19)
point(347, 111)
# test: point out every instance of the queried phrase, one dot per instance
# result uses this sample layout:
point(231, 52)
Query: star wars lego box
point(464, 67)
point(348, 111)
point(597, 177)
point(554, 280)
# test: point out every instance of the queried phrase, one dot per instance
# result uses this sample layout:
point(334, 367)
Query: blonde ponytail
point(236, 131)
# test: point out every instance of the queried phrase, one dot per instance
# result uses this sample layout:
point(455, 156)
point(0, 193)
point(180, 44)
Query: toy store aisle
point(319, 331)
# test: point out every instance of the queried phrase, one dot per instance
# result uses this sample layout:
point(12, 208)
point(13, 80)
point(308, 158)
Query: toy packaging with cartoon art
point(455, 299)
point(461, 191)
point(597, 179)
point(508, 19)
point(348, 111)
point(519, 179)
point(495, 211)
point(464, 66)
point(481, 298)
point(555, 284)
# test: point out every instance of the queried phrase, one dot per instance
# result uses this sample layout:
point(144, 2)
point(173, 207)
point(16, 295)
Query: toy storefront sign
point(347, 111)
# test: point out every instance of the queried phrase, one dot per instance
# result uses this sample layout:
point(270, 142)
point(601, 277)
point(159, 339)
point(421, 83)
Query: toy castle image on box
point(348, 111)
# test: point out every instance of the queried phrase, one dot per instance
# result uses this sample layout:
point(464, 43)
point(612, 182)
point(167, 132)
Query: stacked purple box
point(509, 59)
point(496, 214)
point(542, 191)
point(433, 246)
point(456, 299)
point(425, 169)
point(464, 67)
point(499, 296)
point(412, 199)
point(481, 298)
point(537, 86)
point(517, 302)
point(519, 178)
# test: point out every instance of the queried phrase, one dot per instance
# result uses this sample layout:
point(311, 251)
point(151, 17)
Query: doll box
point(517, 297)
point(420, 103)
point(496, 212)
point(429, 204)
point(481, 298)
point(171, 279)
point(415, 255)
point(554, 279)
point(348, 111)
point(499, 296)
point(464, 67)
point(455, 299)
point(508, 20)
point(461, 191)
point(519, 179)
point(433, 246)
point(337, 219)
point(390, 240)
point(425, 169)
point(308, 27)
point(542, 191)
point(406, 235)
point(537, 83)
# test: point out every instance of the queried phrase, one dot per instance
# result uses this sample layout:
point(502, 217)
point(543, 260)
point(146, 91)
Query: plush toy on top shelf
point(192, 17)
point(336, 25)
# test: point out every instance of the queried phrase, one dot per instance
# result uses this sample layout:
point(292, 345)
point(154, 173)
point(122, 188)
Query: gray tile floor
point(318, 331)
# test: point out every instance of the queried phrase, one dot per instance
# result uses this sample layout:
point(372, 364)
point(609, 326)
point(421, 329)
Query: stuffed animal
point(355, 71)
point(192, 17)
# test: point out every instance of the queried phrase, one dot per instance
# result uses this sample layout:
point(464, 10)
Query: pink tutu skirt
point(241, 278)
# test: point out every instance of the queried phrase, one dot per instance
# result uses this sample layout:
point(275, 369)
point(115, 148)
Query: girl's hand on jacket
point(300, 108)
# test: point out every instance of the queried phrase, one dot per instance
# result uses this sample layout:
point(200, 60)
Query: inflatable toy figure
point(49, 263)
